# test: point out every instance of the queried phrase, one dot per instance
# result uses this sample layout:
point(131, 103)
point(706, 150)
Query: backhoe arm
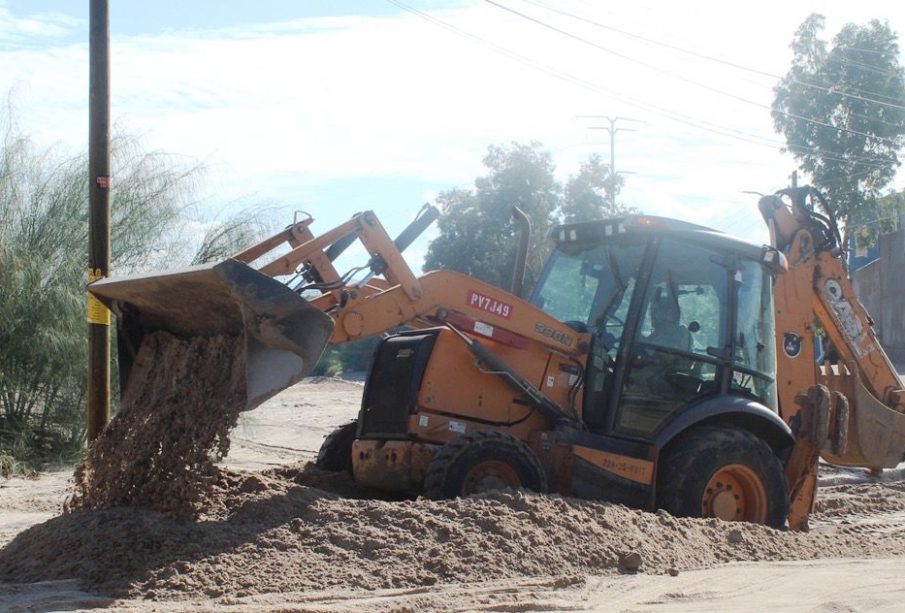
point(850, 413)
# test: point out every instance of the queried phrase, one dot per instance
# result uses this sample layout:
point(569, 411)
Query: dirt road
point(282, 536)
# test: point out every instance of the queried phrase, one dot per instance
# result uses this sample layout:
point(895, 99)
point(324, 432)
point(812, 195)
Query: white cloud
point(33, 30)
point(281, 110)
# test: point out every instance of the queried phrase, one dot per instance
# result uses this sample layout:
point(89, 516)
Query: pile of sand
point(274, 532)
point(153, 517)
point(158, 452)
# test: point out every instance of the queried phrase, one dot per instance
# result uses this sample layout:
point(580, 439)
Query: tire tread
point(437, 476)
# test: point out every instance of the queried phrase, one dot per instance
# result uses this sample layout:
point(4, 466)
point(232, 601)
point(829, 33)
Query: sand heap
point(276, 532)
point(174, 421)
point(152, 517)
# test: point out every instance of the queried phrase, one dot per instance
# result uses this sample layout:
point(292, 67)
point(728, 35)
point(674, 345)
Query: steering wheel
point(579, 326)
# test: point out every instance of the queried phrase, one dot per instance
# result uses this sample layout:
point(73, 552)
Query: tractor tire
point(482, 461)
point(723, 472)
point(336, 451)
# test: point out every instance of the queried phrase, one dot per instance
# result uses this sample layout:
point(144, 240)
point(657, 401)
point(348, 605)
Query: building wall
point(881, 287)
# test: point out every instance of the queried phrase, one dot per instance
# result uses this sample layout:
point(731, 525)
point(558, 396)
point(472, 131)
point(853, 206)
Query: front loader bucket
point(283, 335)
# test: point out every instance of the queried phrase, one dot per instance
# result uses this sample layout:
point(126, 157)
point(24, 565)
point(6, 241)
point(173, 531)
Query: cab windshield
point(589, 287)
point(720, 305)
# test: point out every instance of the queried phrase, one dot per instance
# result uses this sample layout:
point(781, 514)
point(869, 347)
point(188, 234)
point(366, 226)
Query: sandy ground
point(847, 563)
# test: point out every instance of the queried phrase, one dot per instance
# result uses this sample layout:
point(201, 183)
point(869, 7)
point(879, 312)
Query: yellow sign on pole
point(98, 313)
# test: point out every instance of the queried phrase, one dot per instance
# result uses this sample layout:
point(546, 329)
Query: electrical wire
point(679, 77)
point(726, 131)
point(658, 110)
point(728, 63)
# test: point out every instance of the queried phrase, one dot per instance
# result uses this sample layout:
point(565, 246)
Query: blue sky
point(131, 17)
point(334, 107)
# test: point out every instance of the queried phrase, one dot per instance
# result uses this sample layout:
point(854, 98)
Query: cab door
point(680, 326)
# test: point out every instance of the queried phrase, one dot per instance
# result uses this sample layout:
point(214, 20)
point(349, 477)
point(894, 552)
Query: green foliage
point(842, 110)
point(477, 234)
point(43, 272)
point(8, 466)
point(591, 194)
point(347, 358)
point(866, 225)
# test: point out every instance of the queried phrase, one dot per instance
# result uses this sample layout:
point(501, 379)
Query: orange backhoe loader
point(656, 363)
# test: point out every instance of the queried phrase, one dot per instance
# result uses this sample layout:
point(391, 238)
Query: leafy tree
point(867, 224)
point(591, 194)
point(43, 272)
point(841, 109)
point(477, 235)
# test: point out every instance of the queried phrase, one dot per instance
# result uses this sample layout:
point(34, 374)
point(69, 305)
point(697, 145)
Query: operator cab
point(679, 314)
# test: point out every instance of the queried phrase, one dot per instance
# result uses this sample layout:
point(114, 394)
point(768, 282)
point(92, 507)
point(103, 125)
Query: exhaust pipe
point(521, 260)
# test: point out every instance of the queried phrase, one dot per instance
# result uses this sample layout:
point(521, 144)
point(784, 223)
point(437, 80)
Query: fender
point(732, 410)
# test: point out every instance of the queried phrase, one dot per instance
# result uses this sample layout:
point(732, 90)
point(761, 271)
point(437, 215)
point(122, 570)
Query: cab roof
point(588, 233)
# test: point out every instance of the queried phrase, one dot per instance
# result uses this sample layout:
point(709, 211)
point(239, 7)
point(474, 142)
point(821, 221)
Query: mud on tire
point(722, 472)
point(481, 461)
point(336, 451)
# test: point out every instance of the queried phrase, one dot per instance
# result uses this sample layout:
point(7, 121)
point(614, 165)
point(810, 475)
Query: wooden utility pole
point(98, 215)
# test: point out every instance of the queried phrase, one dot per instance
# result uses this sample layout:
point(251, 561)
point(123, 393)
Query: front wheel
point(483, 461)
point(335, 453)
point(723, 472)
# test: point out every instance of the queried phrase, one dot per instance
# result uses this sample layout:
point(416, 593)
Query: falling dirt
point(158, 452)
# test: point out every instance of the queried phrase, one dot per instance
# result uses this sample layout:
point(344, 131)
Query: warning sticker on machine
point(488, 304)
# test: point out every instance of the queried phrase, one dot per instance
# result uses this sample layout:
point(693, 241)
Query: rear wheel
point(726, 473)
point(336, 451)
point(482, 461)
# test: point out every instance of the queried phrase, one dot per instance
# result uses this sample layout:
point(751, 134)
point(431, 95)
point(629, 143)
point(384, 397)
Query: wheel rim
point(490, 475)
point(735, 493)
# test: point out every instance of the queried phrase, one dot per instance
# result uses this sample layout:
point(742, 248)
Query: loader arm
point(857, 417)
point(398, 298)
point(294, 303)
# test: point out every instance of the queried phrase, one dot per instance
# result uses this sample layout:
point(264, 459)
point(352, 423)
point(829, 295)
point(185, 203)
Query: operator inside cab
point(665, 317)
point(667, 332)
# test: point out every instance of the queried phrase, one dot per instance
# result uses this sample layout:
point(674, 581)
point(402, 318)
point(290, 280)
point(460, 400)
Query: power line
point(675, 116)
point(663, 71)
point(649, 40)
point(728, 63)
point(564, 76)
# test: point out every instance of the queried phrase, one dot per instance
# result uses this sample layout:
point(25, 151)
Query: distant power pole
point(98, 214)
point(611, 129)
